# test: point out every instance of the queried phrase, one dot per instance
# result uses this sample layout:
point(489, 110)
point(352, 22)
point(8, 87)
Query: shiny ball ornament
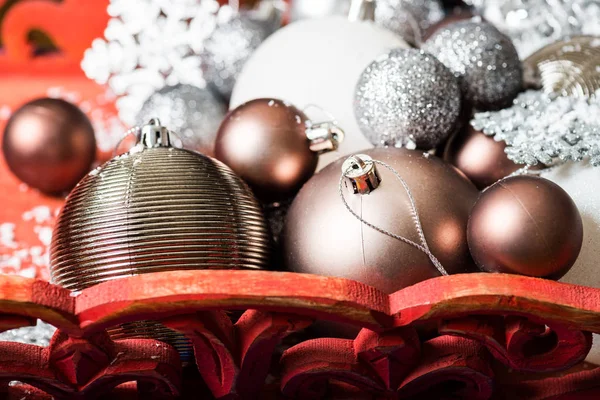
point(481, 158)
point(485, 61)
point(304, 9)
point(157, 208)
point(408, 18)
point(273, 146)
point(407, 97)
point(49, 144)
point(578, 180)
point(525, 225)
point(228, 48)
point(317, 61)
point(322, 237)
point(193, 113)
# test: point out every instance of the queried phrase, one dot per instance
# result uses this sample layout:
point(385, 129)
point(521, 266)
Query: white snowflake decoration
point(149, 44)
point(541, 128)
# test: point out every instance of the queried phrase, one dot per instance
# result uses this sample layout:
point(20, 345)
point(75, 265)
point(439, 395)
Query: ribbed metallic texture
point(157, 209)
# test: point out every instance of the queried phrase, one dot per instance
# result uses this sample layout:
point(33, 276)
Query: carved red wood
point(486, 324)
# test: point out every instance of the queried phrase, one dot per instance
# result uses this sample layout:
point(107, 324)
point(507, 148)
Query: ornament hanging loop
point(358, 166)
point(362, 10)
point(360, 174)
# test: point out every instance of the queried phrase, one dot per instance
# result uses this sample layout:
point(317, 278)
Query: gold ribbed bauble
point(157, 208)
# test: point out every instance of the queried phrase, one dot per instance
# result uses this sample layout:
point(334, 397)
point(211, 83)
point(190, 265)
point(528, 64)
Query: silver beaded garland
point(408, 18)
point(228, 48)
point(407, 98)
point(485, 61)
point(193, 113)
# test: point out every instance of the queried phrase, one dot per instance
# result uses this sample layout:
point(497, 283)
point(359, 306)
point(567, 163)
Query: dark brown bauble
point(479, 157)
point(49, 144)
point(455, 15)
point(322, 237)
point(525, 225)
point(264, 141)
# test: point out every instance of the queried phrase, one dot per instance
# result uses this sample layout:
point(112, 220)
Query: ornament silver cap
point(362, 10)
point(360, 174)
point(324, 136)
point(153, 134)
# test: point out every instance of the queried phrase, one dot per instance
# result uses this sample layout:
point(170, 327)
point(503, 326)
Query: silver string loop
point(424, 247)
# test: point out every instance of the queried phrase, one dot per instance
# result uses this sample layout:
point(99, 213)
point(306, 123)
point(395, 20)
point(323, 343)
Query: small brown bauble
point(525, 225)
point(264, 141)
point(322, 237)
point(49, 144)
point(479, 157)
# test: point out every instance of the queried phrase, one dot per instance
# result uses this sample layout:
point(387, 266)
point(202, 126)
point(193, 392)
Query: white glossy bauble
point(302, 9)
point(581, 181)
point(317, 61)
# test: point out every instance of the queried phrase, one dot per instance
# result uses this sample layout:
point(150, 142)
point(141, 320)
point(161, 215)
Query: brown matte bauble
point(525, 225)
point(49, 144)
point(322, 237)
point(479, 157)
point(264, 141)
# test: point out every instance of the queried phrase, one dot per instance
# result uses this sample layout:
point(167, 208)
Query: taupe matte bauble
point(267, 142)
point(479, 157)
point(525, 225)
point(49, 144)
point(322, 237)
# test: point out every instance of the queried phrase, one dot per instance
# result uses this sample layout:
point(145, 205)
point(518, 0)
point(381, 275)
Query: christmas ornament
point(484, 60)
point(297, 64)
point(454, 15)
point(228, 48)
point(321, 236)
point(49, 144)
point(273, 146)
point(568, 67)
point(303, 9)
point(525, 225)
point(481, 158)
point(39, 334)
point(194, 113)
point(408, 18)
point(148, 45)
point(406, 98)
point(579, 181)
point(538, 128)
point(157, 208)
point(533, 24)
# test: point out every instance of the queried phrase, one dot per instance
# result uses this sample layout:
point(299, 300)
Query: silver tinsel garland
point(541, 128)
point(40, 334)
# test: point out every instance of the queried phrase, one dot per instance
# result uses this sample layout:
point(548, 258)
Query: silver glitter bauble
point(39, 334)
point(485, 61)
point(304, 9)
point(406, 98)
point(228, 48)
point(408, 18)
point(194, 113)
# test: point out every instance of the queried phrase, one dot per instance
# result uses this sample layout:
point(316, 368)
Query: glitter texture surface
point(408, 18)
point(485, 61)
point(539, 128)
point(228, 48)
point(38, 335)
point(532, 24)
point(194, 114)
point(407, 98)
